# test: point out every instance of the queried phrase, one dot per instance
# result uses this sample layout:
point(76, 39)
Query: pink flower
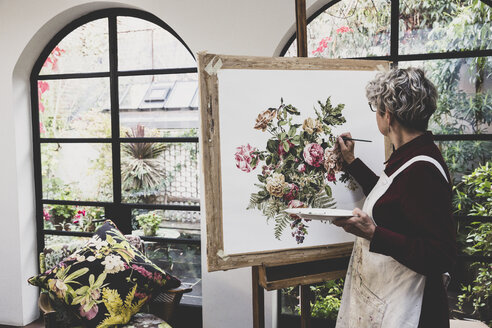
point(82, 212)
point(313, 154)
point(301, 168)
point(323, 44)
point(46, 215)
point(344, 29)
point(331, 177)
point(89, 314)
point(244, 157)
point(43, 86)
point(294, 190)
point(142, 271)
point(75, 221)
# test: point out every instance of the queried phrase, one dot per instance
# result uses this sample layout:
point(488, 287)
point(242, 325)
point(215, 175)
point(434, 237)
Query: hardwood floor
point(36, 324)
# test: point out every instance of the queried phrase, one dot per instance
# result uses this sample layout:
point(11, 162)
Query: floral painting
point(296, 166)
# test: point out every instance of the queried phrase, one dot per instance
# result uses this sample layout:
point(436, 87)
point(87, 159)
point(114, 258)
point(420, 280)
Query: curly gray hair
point(406, 94)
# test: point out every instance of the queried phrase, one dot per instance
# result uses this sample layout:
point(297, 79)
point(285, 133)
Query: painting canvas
point(247, 98)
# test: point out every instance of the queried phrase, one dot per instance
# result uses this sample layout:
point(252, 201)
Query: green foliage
point(149, 222)
point(474, 197)
point(141, 170)
point(327, 298)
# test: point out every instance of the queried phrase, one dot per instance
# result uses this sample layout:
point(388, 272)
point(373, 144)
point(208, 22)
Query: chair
point(160, 309)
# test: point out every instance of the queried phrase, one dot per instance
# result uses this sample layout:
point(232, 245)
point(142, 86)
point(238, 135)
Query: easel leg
point(305, 306)
point(258, 300)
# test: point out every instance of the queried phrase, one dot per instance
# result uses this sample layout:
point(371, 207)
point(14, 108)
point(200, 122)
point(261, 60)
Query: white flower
point(96, 241)
point(113, 263)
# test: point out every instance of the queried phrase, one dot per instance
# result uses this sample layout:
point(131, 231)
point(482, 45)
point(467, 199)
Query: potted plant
point(149, 223)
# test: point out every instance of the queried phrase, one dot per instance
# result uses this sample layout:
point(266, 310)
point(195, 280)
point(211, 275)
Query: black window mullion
point(395, 31)
point(38, 177)
point(162, 139)
point(67, 76)
point(115, 108)
point(162, 71)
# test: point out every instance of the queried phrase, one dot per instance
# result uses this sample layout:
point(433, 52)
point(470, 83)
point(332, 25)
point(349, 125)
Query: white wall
point(252, 27)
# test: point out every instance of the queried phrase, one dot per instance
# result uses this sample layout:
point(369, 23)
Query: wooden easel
point(268, 277)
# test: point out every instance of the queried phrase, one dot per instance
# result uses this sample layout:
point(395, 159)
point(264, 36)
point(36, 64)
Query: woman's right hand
point(346, 147)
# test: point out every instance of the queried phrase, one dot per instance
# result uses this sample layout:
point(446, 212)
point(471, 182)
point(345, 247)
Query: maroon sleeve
point(426, 202)
point(363, 175)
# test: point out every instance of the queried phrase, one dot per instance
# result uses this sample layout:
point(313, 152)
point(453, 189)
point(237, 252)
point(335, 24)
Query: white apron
point(379, 291)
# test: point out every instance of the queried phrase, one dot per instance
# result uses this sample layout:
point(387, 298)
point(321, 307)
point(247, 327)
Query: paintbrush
point(352, 139)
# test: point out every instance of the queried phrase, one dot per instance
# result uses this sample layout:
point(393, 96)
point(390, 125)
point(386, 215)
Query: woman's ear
point(388, 118)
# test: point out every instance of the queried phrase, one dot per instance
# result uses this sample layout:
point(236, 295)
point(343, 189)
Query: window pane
point(181, 260)
point(349, 29)
point(462, 157)
point(167, 224)
point(77, 172)
point(145, 45)
point(74, 108)
point(465, 94)
point(166, 105)
point(84, 50)
point(59, 247)
point(72, 218)
point(160, 173)
point(440, 26)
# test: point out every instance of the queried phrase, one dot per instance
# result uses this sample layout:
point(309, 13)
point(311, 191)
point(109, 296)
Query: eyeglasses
point(370, 106)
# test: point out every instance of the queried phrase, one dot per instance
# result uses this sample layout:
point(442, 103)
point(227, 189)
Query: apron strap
point(420, 158)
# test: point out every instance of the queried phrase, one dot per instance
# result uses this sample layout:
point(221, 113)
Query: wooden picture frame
point(208, 66)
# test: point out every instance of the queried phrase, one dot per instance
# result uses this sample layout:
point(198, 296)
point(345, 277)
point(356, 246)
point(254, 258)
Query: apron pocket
point(368, 309)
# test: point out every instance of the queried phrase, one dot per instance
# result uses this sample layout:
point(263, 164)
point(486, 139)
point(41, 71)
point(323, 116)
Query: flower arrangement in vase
point(298, 165)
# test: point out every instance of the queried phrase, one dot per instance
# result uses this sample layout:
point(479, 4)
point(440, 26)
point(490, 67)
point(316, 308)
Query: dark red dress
point(414, 221)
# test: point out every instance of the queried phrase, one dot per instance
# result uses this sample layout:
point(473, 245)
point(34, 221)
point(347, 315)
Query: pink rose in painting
point(301, 168)
point(293, 191)
point(244, 157)
point(331, 177)
point(89, 314)
point(313, 154)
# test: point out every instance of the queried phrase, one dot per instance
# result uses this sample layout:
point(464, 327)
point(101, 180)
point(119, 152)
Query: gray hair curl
point(406, 94)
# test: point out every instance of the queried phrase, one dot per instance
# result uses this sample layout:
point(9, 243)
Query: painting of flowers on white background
point(278, 150)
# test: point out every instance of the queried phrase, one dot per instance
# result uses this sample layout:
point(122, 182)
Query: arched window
point(115, 120)
point(452, 41)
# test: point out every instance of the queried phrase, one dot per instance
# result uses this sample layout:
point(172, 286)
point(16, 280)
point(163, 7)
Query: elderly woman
point(405, 234)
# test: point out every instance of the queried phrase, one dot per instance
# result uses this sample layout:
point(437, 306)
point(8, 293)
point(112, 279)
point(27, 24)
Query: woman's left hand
point(360, 224)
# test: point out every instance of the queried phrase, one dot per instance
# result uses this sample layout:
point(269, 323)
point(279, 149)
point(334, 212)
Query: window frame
point(115, 210)
point(395, 58)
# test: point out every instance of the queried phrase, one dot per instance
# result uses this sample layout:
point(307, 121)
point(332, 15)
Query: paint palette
point(323, 214)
